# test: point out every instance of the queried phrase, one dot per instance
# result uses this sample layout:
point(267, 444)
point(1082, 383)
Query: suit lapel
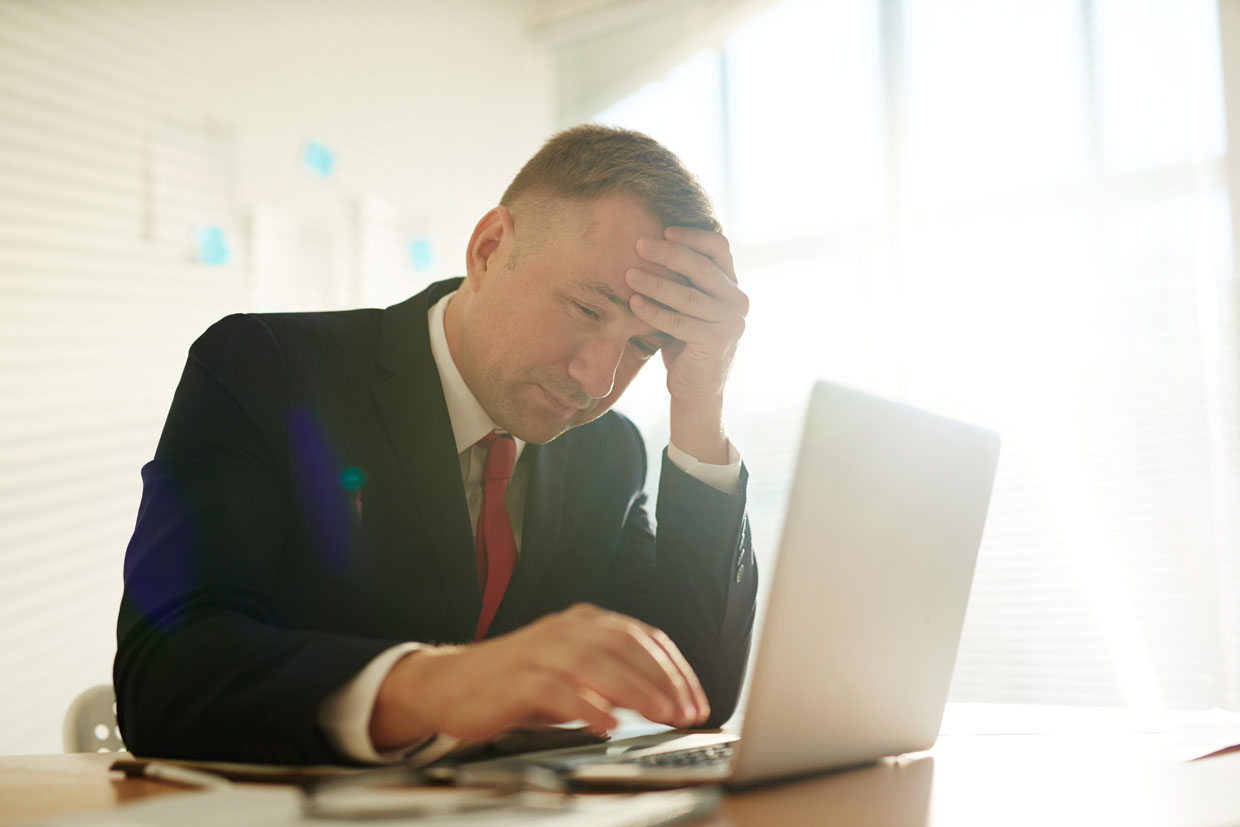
point(544, 517)
point(412, 407)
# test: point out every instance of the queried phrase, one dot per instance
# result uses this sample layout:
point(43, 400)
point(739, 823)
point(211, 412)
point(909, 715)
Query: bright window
point(1015, 214)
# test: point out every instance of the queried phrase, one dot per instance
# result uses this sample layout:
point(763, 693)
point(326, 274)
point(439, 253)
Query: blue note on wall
point(211, 246)
point(318, 158)
point(420, 255)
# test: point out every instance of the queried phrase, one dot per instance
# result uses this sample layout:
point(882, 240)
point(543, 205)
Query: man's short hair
point(591, 161)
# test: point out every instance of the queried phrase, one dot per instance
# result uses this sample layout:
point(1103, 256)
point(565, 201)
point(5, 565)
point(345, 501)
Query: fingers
point(597, 669)
point(575, 665)
point(531, 697)
point(681, 325)
point(701, 257)
point(690, 695)
point(700, 270)
point(679, 297)
point(623, 661)
point(617, 681)
point(648, 651)
point(640, 654)
point(559, 702)
point(711, 244)
point(686, 671)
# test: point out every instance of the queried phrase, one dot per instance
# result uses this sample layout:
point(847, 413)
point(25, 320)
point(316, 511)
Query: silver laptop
point(867, 600)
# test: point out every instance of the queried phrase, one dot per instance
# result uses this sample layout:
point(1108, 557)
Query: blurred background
point(1016, 212)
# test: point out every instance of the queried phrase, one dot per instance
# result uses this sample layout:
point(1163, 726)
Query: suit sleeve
point(695, 578)
point(202, 668)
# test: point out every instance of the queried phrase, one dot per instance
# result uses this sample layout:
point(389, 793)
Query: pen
point(171, 773)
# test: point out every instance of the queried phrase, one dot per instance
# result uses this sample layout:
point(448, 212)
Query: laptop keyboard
point(694, 757)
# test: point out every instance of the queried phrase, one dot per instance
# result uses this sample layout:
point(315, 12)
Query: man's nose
point(594, 366)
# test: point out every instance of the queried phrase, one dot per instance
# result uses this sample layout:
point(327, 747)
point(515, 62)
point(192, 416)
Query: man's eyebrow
point(604, 290)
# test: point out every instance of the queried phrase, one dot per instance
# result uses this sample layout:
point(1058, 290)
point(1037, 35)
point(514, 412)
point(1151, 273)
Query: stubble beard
point(519, 409)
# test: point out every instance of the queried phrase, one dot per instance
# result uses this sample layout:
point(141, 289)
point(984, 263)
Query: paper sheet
point(270, 806)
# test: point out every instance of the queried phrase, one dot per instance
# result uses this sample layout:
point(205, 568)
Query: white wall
point(122, 122)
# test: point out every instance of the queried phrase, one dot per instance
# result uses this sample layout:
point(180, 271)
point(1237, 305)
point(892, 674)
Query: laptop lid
point(870, 587)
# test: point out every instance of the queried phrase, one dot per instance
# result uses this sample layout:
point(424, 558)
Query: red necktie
point(496, 547)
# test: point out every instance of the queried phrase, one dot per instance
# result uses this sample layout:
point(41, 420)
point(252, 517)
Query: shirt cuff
point(725, 478)
point(345, 714)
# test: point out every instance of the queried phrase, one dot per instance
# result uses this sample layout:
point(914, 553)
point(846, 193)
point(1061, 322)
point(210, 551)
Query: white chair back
point(90, 722)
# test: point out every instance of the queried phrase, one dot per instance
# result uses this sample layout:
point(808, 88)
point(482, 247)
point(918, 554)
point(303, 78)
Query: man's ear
point(491, 239)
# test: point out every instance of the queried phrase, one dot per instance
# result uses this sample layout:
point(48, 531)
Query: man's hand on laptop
point(577, 664)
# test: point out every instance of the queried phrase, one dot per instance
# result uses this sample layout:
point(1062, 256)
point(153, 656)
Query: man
point(340, 501)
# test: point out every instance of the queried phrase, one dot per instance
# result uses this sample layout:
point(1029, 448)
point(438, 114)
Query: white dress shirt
point(345, 714)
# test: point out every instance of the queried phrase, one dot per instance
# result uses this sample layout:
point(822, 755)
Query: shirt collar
point(470, 421)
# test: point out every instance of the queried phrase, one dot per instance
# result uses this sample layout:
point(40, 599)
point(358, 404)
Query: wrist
point(698, 431)
point(402, 714)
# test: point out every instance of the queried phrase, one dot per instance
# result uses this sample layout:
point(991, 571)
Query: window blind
point(94, 324)
point(148, 151)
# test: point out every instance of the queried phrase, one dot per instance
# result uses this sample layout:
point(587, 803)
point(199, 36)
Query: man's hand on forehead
point(690, 292)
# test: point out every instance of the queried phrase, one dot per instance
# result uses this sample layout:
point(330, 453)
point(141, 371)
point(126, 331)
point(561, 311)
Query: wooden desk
point(964, 780)
point(42, 786)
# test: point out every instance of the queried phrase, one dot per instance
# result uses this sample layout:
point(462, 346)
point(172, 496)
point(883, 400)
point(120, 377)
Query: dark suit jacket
point(304, 511)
